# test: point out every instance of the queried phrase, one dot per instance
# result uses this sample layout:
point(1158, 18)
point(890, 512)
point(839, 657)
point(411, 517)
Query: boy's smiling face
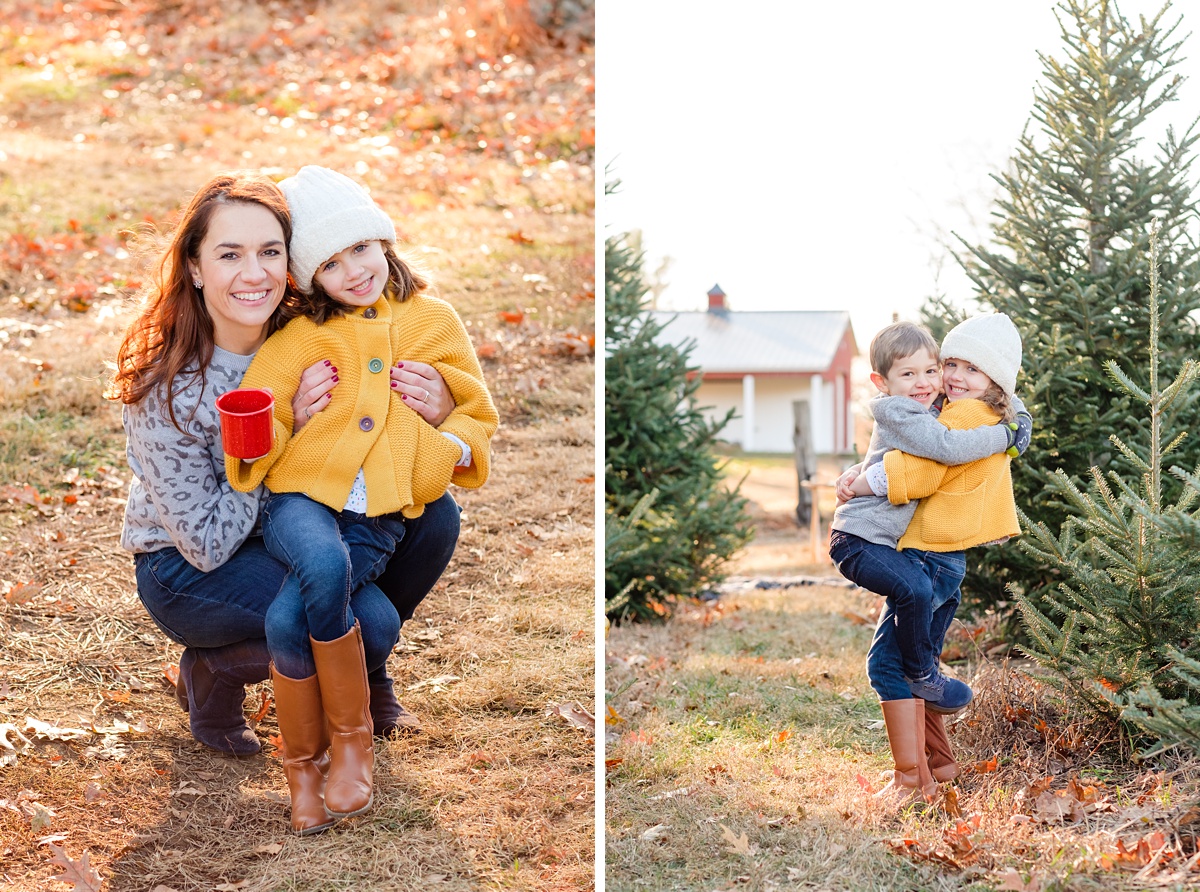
point(917, 375)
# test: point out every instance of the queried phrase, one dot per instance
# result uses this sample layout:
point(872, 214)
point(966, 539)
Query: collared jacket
point(406, 462)
point(960, 506)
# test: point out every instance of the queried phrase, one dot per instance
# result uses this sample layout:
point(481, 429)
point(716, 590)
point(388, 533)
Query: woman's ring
point(425, 398)
point(308, 411)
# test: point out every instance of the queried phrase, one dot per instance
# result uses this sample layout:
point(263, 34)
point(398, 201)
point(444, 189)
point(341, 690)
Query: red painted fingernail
point(399, 365)
point(395, 385)
point(404, 397)
point(335, 377)
point(327, 362)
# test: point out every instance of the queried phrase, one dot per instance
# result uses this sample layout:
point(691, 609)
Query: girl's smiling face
point(356, 276)
point(962, 381)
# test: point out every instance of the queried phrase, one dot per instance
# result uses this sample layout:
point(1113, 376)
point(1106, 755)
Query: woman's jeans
point(330, 554)
point(230, 604)
point(922, 593)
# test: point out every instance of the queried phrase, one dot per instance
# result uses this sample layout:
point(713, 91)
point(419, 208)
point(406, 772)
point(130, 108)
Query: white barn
point(762, 363)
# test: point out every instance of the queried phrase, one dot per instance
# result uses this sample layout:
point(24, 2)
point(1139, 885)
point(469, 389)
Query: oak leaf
point(739, 845)
point(80, 874)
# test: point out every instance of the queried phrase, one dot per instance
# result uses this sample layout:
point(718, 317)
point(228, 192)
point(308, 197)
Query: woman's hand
point(423, 389)
point(314, 393)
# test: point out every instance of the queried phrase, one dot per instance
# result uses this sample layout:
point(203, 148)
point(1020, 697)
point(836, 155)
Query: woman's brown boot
point(342, 673)
point(905, 722)
point(305, 740)
point(937, 748)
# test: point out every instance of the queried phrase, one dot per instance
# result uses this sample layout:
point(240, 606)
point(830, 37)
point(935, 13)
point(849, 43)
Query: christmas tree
point(670, 521)
point(1126, 610)
point(1067, 263)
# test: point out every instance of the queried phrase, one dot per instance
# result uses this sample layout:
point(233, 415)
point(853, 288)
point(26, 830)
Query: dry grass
point(499, 792)
point(744, 741)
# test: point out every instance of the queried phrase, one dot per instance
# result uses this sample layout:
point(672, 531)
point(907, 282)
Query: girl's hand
point(844, 483)
point(422, 388)
point(314, 393)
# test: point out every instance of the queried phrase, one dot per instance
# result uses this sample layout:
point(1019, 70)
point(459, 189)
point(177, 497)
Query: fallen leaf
point(782, 736)
point(171, 673)
point(272, 849)
point(655, 833)
point(437, 684)
point(671, 794)
point(511, 318)
point(1012, 881)
point(576, 715)
point(79, 873)
point(21, 592)
point(50, 732)
point(263, 707)
point(10, 748)
point(739, 845)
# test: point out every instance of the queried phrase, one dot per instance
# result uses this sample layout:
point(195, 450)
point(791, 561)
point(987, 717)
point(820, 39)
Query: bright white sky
point(812, 155)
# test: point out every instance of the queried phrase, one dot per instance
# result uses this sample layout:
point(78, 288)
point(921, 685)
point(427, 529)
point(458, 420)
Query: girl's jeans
point(922, 593)
point(229, 604)
point(330, 553)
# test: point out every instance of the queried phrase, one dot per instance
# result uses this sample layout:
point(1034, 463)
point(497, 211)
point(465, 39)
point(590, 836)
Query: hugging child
point(344, 478)
point(910, 554)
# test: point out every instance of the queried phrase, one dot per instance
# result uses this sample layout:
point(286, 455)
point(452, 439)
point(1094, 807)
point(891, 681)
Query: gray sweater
point(902, 423)
point(179, 494)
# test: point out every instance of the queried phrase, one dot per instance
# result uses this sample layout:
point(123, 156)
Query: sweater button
point(366, 423)
point(375, 365)
point(370, 313)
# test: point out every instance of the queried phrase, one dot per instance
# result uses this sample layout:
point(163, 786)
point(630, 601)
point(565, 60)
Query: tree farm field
point(474, 134)
point(743, 744)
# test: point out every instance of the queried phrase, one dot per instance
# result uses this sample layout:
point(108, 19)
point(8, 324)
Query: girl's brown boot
point(937, 748)
point(302, 726)
point(905, 722)
point(342, 673)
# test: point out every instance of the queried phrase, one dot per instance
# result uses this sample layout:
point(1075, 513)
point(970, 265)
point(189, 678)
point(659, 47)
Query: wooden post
point(806, 463)
point(814, 526)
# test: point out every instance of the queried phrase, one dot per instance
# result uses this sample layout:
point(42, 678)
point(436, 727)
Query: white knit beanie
point(330, 212)
point(991, 343)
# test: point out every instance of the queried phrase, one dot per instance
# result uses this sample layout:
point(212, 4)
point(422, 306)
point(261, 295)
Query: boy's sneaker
point(941, 694)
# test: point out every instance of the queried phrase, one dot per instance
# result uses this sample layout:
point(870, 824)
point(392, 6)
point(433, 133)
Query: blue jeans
point(922, 593)
point(331, 553)
point(229, 604)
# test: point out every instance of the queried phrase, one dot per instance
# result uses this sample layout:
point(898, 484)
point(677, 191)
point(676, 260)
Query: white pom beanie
point(989, 342)
point(330, 212)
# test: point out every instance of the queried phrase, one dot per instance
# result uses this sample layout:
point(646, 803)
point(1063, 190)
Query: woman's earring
point(198, 284)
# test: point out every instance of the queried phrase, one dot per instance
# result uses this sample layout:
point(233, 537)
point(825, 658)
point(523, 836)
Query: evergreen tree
point(670, 521)
point(1127, 609)
point(1067, 262)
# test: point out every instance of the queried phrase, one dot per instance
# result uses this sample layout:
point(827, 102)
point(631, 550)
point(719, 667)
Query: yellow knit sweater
point(406, 462)
point(961, 506)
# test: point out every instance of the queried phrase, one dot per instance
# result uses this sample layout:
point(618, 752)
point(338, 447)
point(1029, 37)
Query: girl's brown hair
point(320, 306)
point(1000, 402)
point(172, 336)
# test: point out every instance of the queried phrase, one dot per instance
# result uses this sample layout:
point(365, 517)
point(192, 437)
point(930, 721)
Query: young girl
point(960, 507)
point(345, 477)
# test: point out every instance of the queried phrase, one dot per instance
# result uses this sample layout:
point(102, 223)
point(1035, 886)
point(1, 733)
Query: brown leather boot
point(342, 673)
point(937, 748)
point(302, 725)
point(905, 722)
